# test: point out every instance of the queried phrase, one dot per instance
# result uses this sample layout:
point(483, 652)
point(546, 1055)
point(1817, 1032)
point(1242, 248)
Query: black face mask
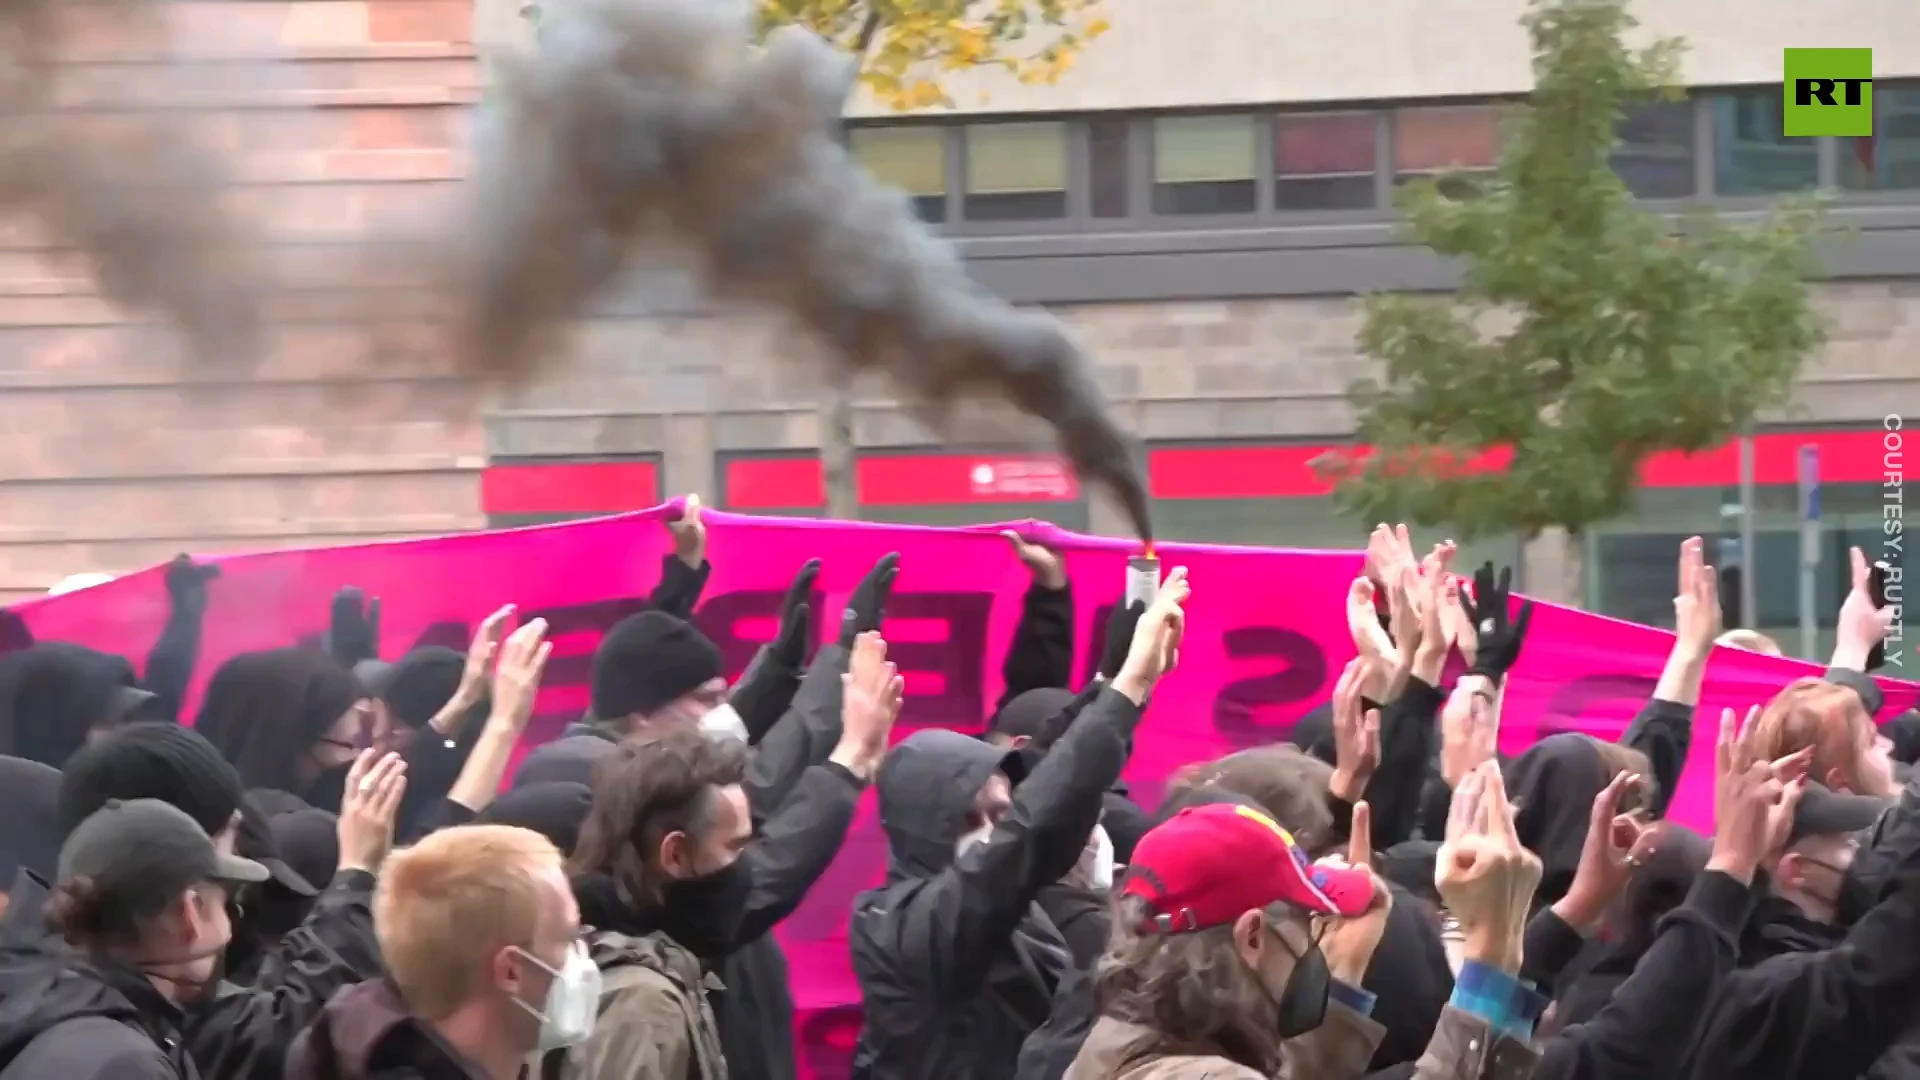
point(1303, 1004)
point(703, 913)
point(329, 788)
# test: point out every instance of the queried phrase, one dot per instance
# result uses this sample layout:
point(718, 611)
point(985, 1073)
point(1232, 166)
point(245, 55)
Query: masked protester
point(659, 875)
point(288, 719)
point(142, 900)
point(54, 697)
point(650, 670)
point(486, 968)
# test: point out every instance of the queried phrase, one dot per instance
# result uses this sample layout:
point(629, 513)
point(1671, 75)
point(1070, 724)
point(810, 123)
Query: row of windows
point(1109, 168)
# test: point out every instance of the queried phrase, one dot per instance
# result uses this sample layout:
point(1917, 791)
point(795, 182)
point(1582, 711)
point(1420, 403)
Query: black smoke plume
point(655, 123)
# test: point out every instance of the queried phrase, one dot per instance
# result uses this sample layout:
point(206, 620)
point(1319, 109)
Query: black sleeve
point(1860, 683)
point(1407, 736)
point(244, 1034)
point(1662, 1004)
point(433, 764)
point(796, 845)
point(1826, 1013)
point(951, 929)
point(763, 694)
point(1662, 730)
point(680, 586)
point(1549, 946)
point(169, 669)
point(443, 814)
point(1041, 653)
point(1893, 841)
point(804, 737)
point(1081, 917)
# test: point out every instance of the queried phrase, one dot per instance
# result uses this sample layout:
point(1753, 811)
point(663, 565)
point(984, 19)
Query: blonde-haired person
point(1751, 640)
point(481, 936)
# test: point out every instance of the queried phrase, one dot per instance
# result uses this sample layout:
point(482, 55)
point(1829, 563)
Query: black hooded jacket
point(54, 693)
point(64, 1017)
point(957, 963)
point(1552, 786)
point(264, 711)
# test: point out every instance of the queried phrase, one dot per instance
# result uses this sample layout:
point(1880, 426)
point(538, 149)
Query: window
point(1111, 166)
point(1428, 141)
point(1654, 154)
point(1750, 155)
point(1889, 160)
point(967, 489)
point(1016, 172)
point(1204, 165)
point(1324, 162)
point(1631, 560)
point(913, 159)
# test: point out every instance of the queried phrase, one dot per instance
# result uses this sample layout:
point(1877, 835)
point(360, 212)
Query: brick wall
point(111, 456)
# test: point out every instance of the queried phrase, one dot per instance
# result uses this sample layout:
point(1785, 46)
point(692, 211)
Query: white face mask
point(976, 836)
point(1100, 863)
point(722, 721)
point(573, 1000)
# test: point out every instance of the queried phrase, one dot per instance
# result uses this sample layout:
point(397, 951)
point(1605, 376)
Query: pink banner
point(1266, 639)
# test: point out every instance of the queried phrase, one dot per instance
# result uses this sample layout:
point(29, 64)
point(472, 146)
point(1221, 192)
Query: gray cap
point(1824, 812)
point(144, 852)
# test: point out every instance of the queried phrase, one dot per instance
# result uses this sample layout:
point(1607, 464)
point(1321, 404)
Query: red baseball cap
point(1208, 865)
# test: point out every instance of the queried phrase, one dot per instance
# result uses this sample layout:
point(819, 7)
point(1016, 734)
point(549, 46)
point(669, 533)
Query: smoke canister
point(1143, 579)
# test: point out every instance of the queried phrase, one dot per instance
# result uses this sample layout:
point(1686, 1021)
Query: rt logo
point(1828, 92)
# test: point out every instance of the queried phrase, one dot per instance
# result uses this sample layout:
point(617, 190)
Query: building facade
point(1204, 198)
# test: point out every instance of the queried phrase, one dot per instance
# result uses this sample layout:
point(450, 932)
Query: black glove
point(867, 607)
point(1499, 638)
point(187, 585)
point(353, 633)
point(795, 641)
point(1120, 626)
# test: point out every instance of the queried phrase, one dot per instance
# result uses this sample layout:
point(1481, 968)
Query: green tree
point(1588, 333)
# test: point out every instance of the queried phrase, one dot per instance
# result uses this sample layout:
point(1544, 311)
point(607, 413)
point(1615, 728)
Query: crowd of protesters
point(335, 871)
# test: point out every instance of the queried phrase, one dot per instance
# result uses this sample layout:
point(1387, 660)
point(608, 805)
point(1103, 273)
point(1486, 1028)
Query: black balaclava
point(414, 689)
point(1552, 786)
point(53, 694)
point(266, 711)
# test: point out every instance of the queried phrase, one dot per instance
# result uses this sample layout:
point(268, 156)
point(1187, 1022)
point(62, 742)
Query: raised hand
point(1499, 632)
point(1349, 944)
point(1041, 562)
point(867, 607)
point(874, 692)
point(368, 809)
point(1753, 799)
point(1156, 639)
point(1485, 876)
point(353, 629)
point(516, 679)
point(1862, 627)
point(1469, 728)
point(187, 584)
point(1614, 849)
point(795, 641)
point(1696, 603)
point(689, 533)
point(1356, 735)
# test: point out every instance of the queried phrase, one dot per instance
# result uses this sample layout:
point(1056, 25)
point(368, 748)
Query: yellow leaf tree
point(906, 46)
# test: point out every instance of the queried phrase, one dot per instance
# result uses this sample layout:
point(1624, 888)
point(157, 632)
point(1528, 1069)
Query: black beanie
point(151, 760)
point(418, 685)
point(555, 811)
point(648, 660)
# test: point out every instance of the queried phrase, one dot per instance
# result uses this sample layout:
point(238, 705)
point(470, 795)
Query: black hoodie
point(64, 1017)
point(957, 962)
point(53, 694)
